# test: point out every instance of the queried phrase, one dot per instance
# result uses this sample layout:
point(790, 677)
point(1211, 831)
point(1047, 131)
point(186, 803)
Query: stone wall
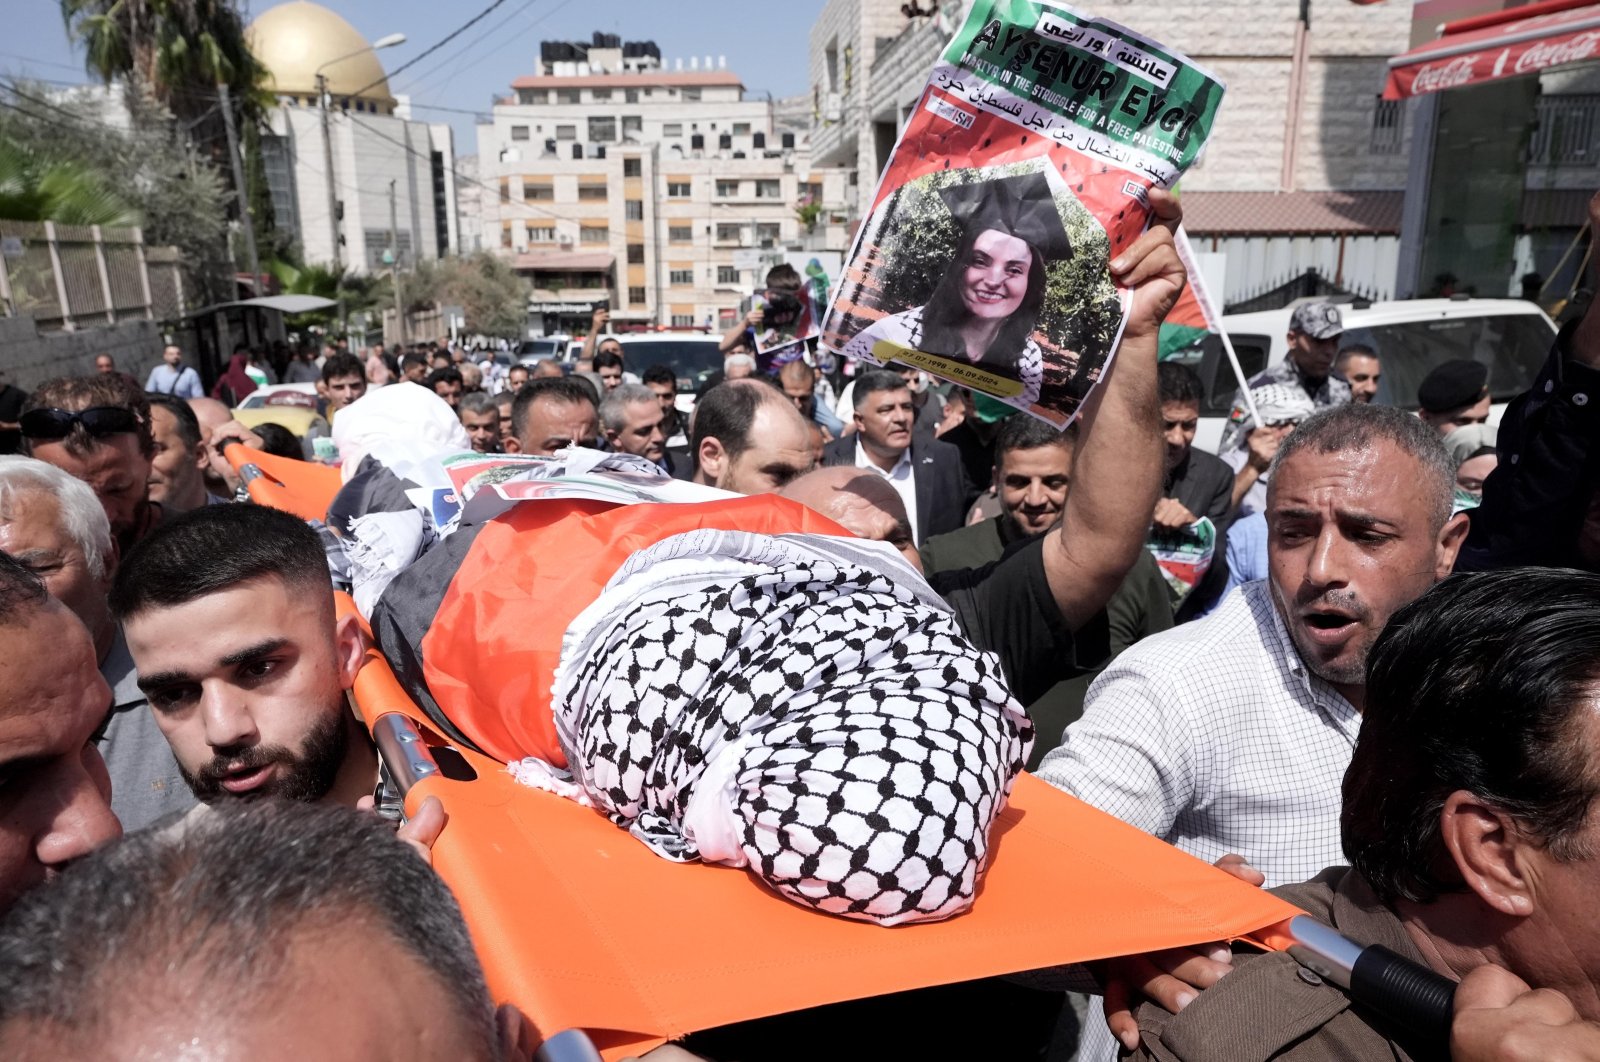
point(29, 357)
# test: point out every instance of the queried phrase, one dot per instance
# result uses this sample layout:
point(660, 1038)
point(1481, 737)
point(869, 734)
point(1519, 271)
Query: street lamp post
point(327, 140)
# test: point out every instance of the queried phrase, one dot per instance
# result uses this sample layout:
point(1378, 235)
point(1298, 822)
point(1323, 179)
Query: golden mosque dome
point(294, 40)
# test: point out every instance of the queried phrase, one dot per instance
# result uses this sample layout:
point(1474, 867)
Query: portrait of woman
point(985, 308)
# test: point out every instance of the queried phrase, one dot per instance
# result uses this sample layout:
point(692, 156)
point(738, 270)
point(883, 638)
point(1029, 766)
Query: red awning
point(1520, 41)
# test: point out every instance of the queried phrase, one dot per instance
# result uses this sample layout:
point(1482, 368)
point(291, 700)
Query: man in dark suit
point(927, 474)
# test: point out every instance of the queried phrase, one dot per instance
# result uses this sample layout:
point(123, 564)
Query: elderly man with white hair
point(52, 524)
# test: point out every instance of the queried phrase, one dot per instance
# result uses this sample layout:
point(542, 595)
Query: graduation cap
point(1022, 206)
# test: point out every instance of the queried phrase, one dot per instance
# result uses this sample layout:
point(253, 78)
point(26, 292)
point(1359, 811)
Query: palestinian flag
point(1196, 313)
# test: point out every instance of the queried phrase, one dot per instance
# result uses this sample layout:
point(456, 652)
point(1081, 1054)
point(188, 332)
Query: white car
point(1411, 337)
point(692, 356)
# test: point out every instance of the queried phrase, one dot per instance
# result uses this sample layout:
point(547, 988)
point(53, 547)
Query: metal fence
point(71, 276)
point(1567, 130)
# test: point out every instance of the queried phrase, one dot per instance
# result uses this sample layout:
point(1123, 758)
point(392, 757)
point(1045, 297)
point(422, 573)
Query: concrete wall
point(28, 357)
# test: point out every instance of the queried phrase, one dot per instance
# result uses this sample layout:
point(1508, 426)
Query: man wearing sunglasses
point(97, 429)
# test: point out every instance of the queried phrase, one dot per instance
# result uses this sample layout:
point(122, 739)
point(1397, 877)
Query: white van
point(1411, 337)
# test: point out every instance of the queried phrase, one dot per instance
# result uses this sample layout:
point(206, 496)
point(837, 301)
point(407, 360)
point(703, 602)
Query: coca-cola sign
point(1554, 53)
point(1455, 73)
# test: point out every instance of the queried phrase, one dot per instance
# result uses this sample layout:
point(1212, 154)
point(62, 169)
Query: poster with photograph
point(788, 316)
point(986, 257)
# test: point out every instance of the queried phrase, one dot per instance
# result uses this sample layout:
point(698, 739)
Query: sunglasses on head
point(96, 420)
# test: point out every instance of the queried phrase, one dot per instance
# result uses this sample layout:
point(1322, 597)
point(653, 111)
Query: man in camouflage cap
point(1314, 331)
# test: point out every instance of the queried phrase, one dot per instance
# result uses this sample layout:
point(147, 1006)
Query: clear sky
point(766, 42)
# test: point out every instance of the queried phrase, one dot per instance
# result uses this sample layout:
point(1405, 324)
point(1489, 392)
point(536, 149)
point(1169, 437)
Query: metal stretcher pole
point(1411, 996)
point(406, 760)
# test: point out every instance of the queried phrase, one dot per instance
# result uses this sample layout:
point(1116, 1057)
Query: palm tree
point(178, 51)
point(40, 189)
point(355, 293)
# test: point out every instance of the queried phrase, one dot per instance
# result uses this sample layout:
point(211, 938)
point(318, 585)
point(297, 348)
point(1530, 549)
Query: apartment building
point(664, 193)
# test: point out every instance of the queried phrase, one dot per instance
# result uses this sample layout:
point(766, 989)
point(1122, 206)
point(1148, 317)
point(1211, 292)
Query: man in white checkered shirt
point(1232, 734)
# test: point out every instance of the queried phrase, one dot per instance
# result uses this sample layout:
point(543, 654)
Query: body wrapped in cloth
point(798, 703)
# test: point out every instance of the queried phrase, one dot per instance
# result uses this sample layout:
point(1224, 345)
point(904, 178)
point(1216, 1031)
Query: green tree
point(179, 51)
point(491, 295)
point(356, 293)
point(171, 192)
point(61, 190)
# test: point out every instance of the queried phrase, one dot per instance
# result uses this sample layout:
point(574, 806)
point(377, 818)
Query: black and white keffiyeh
point(799, 704)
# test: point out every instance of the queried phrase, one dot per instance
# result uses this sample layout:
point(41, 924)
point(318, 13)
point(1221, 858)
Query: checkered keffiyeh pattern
point(850, 742)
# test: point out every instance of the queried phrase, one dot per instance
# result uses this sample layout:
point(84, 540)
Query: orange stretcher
point(582, 927)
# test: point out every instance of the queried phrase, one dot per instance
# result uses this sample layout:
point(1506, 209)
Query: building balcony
point(1566, 131)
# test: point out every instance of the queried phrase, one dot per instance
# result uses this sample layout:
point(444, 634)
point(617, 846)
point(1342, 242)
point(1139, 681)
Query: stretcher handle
point(403, 751)
point(569, 1046)
point(1408, 994)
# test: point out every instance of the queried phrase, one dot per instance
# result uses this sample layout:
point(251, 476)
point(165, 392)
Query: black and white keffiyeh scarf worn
point(802, 705)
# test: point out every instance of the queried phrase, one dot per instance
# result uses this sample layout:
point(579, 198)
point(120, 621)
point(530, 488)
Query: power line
point(501, 193)
point(458, 31)
point(421, 78)
point(452, 110)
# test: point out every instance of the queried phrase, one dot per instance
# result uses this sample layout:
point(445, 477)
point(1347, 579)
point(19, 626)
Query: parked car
point(532, 350)
point(294, 406)
point(1411, 338)
point(693, 357)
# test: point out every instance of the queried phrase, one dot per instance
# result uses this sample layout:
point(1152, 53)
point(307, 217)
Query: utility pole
point(239, 190)
point(394, 270)
point(327, 166)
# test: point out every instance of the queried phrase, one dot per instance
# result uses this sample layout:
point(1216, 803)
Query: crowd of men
point(1374, 685)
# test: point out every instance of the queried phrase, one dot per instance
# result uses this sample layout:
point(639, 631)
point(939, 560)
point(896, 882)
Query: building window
point(519, 132)
point(769, 189)
point(600, 95)
point(602, 130)
point(636, 295)
point(1388, 126)
point(591, 191)
point(672, 129)
point(680, 234)
point(632, 167)
point(678, 190)
point(691, 94)
point(542, 234)
point(727, 233)
point(568, 96)
point(636, 254)
point(768, 234)
point(566, 132)
point(632, 126)
point(681, 278)
point(741, 128)
point(594, 234)
point(538, 191)
point(630, 96)
point(727, 189)
point(683, 320)
point(727, 275)
point(633, 209)
point(531, 96)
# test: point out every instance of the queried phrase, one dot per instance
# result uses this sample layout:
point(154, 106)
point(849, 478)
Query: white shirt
point(1216, 738)
point(903, 478)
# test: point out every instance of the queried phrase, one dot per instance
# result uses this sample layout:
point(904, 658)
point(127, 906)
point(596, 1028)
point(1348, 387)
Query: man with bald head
point(859, 502)
point(748, 438)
